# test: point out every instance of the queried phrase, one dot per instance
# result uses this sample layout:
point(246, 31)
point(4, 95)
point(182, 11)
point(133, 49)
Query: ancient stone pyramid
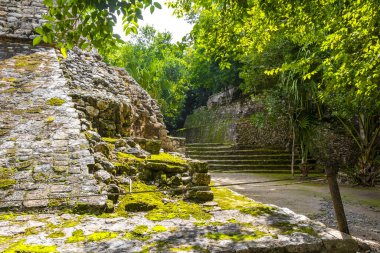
point(46, 105)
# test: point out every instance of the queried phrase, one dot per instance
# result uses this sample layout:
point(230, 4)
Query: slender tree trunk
point(337, 200)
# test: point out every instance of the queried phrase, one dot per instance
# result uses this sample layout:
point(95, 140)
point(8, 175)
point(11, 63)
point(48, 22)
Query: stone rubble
point(178, 235)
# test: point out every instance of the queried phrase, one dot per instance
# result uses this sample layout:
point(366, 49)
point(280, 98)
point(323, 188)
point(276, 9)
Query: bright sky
point(162, 20)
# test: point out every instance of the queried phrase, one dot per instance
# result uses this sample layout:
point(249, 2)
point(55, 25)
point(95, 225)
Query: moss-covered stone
point(99, 236)
point(57, 234)
point(168, 158)
point(20, 246)
point(5, 183)
point(164, 167)
point(236, 237)
point(229, 200)
point(77, 236)
point(24, 164)
point(159, 229)
point(55, 101)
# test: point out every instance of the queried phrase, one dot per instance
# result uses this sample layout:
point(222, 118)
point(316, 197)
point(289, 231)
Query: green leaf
point(158, 5)
point(37, 40)
point(64, 52)
point(151, 9)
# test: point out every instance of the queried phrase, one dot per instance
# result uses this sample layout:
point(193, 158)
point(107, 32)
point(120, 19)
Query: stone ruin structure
point(73, 128)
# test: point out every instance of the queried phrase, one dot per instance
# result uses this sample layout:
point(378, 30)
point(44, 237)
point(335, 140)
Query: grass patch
point(229, 200)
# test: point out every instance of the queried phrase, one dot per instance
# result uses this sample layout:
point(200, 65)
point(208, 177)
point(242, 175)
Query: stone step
point(252, 162)
point(243, 157)
point(224, 147)
point(235, 152)
point(207, 144)
point(212, 166)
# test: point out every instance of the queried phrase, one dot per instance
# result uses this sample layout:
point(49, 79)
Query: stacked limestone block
point(43, 153)
point(19, 18)
point(110, 100)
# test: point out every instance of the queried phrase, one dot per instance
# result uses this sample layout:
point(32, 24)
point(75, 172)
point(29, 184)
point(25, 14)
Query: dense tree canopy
point(88, 23)
point(319, 59)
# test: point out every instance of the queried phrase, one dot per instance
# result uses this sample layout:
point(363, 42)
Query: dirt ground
point(362, 205)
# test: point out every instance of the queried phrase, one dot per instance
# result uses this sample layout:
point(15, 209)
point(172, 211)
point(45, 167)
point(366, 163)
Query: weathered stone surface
point(198, 166)
point(204, 196)
point(152, 146)
point(201, 179)
point(103, 176)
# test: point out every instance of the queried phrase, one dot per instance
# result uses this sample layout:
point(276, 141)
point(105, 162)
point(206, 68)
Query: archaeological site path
point(362, 205)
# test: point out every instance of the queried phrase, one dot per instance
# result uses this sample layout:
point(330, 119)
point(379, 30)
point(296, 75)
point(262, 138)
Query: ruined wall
point(19, 18)
point(109, 100)
point(47, 105)
point(230, 123)
point(42, 150)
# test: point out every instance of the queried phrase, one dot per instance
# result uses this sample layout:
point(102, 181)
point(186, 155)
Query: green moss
point(7, 216)
point(140, 230)
point(179, 209)
point(139, 233)
point(99, 236)
point(69, 224)
point(110, 140)
point(6, 173)
point(9, 90)
point(192, 248)
point(5, 183)
point(128, 156)
point(5, 239)
point(57, 234)
point(21, 247)
point(24, 164)
point(165, 157)
point(288, 228)
point(77, 236)
point(9, 79)
point(136, 200)
point(211, 223)
point(159, 229)
point(236, 237)
point(229, 200)
point(31, 231)
point(49, 119)
point(55, 101)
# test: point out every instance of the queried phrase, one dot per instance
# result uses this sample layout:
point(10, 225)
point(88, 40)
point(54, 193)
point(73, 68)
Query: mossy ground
point(229, 200)
point(165, 157)
point(21, 247)
point(161, 211)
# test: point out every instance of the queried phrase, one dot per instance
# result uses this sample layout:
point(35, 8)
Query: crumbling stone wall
point(43, 153)
point(19, 18)
point(109, 100)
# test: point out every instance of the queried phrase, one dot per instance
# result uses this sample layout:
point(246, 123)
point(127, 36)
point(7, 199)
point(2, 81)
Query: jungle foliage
point(320, 60)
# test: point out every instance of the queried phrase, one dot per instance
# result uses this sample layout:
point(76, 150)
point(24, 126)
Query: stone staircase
point(231, 158)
